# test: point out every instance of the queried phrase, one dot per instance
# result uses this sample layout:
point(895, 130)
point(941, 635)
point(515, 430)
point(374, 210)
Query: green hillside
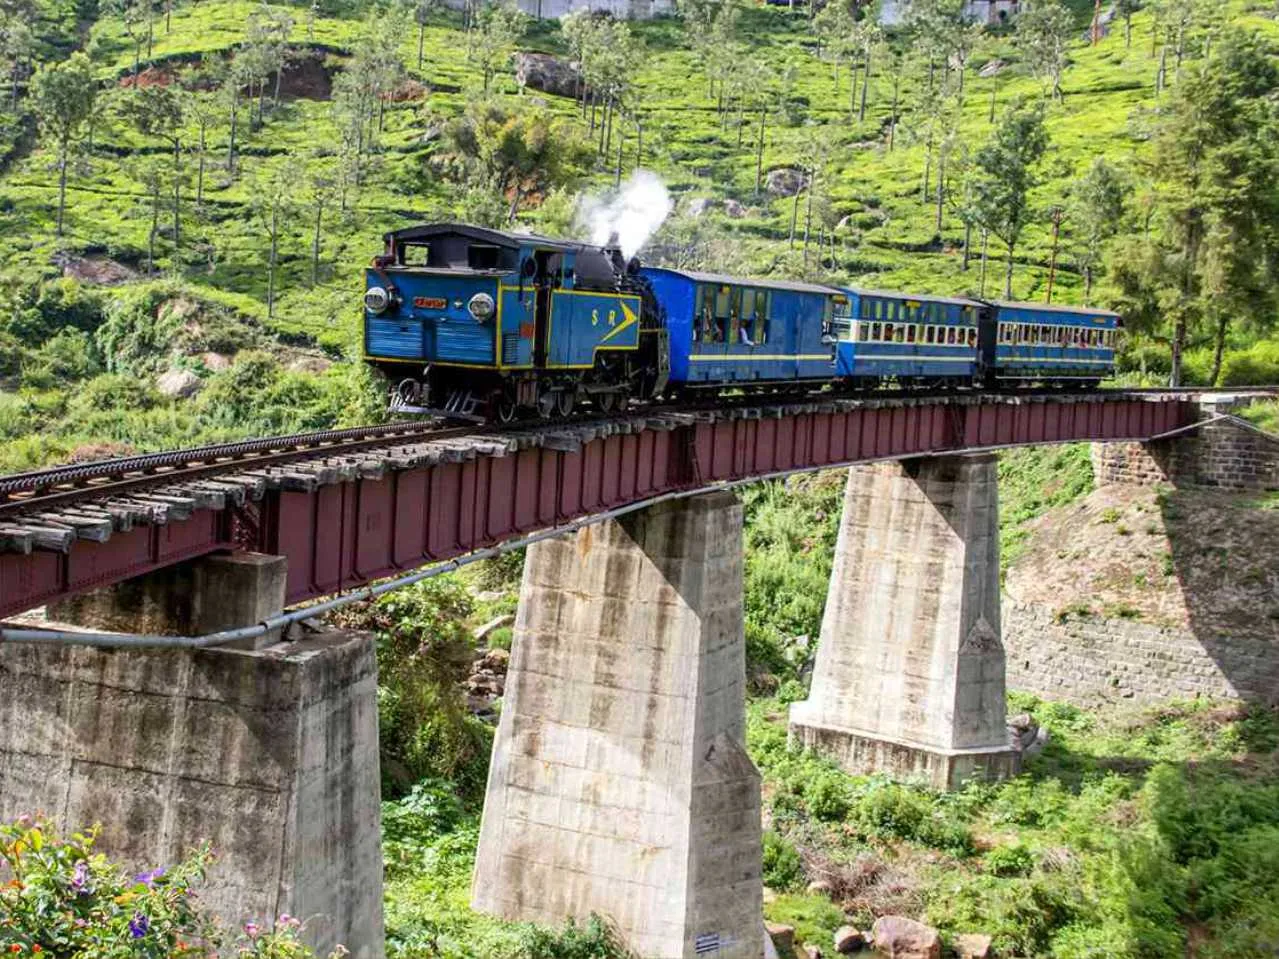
point(361, 140)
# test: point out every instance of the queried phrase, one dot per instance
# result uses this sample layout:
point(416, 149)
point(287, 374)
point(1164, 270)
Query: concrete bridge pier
point(620, 784)
point(909, 677)
point(270, 754)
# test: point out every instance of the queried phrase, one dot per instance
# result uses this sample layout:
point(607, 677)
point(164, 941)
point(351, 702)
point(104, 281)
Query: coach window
point(910, 333)
point(723, 311)
point(928, 334)
point(972, 336)
point(888, 332)
point(863, 331)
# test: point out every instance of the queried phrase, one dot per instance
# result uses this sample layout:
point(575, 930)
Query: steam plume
point(632, 213)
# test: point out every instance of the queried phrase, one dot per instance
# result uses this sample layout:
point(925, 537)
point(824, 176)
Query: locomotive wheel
point(504, 409)
point(608, 402)
point(564, 402)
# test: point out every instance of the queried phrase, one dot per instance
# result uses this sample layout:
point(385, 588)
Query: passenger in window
point(950, 336)
point(972, 336)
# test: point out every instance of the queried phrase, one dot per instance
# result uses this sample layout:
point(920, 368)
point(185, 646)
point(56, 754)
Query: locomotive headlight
point(481, 307)
point(376, 299)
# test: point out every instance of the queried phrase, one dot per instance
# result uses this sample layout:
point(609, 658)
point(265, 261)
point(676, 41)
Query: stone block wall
point(1226, 454)
point(270, 755)
point(1093, 658)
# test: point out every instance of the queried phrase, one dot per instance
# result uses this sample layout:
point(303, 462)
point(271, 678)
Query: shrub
point(593, 940)
point(412, 823)
point(783, 869)
point(828, 797)
point(1256, 366)
point(893, 811)
point(1015, 860)
point(68, 355)
point(63, 899)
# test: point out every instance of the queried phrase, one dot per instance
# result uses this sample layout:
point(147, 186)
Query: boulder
point(820, 887)
point(811, 951)
point(178, 384)
point(309, 364)
point(497, 622)
point(213, 362)
point(699, 205)
point(734, 210)
point(904, 938)
point(98, 270)
point(541, 71)
point(783, 937)
point(497, 660)
point(972, 945)
point(992, 69)
point(785, 182)
point(1026, 735)
point(848, 939)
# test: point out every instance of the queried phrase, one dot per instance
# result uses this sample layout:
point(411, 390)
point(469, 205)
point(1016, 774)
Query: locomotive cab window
point(482, 256)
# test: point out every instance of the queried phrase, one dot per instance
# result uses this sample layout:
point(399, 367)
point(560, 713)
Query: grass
point(1130, 833)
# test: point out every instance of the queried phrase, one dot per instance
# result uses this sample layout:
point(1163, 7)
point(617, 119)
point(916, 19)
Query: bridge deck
point(345, 518)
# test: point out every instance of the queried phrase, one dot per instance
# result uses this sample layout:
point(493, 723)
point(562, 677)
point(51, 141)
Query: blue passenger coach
point(909, 339)
point(1041, 343)
point(725, 330)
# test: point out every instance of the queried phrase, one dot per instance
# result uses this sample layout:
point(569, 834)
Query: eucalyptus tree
point(500, 27)
point(63, 96)
point(1006, 171)
point(1043, 38)
point(274, 203)
point(159, 111)
point(17, 49)
point(1126, 9)
point(422, 11)
point(1096, 211)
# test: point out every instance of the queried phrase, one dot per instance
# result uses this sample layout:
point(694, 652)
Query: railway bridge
point(183, 692)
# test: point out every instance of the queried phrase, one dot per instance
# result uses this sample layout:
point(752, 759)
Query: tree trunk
point(270, 273)
point(968, 239)
point(155, 224)
point(852, 89)
point(1008, 273)
point(759, 152)
point(1162, 75)
point(1178, 347)
point(275, 93)
point(1052, 262)
point(621, 143)
point(928, 169)
point(199, 173)
point(315, 244)
point(808, 212)
point(994, 89)
point(62, 185)
point(639, 143)
point(168, 15)
point(1087, 286)
point(985, 246)
point(177, 196)
point(1219, 346)
point(892, 120)
point(794, 217)
point(861, 111)
point(941, 189)
point(1128, 32)
point(230, 150)
point(421, 38)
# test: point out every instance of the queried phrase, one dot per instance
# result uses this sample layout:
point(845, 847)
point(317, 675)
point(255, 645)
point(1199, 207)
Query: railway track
point(130, 484)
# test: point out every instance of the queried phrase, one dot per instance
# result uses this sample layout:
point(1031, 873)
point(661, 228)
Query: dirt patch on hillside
point(1197, 559)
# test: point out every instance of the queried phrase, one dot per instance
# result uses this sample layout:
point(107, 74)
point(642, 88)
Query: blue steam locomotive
point(482, 324)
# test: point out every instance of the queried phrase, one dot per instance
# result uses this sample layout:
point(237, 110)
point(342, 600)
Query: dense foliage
point(65, 900)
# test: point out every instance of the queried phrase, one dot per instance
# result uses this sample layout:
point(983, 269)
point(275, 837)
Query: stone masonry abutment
point(270, 754)
point(620, 783)
point(909, 677)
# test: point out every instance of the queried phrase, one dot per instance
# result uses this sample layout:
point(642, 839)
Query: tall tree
point(1213, 259)
point(1006, 172)
point(1096, 212)
point(274, 204)
point(158, 111)
point(62, 95)
point(501, 26)
point(1126, 9)
point(1043, 36)
point(321, 188)
point(422, 11)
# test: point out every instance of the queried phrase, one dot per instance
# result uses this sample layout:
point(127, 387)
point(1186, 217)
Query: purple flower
point(251, 929)
point(147, 878)
point(139, 925)
point(80, 879)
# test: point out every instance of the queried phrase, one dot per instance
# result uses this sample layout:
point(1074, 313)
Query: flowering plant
point(62, 900)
